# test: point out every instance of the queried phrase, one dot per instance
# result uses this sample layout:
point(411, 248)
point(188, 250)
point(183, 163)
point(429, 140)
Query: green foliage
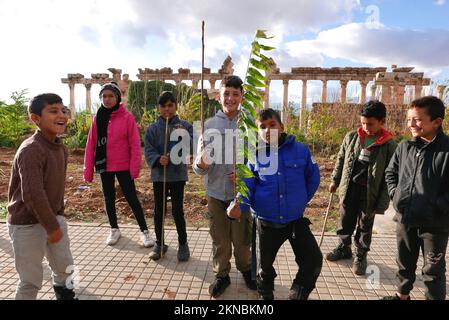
point(14, 123)
point(143, 97)
point(3, 210)
point(255, 80)
point(78, 130)
point(324, 136)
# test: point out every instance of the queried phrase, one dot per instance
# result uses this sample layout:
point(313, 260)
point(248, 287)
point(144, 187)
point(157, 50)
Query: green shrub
point(78, 130)
point(14, 122)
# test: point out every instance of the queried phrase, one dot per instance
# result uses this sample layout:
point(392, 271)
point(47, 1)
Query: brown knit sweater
point(36, 188)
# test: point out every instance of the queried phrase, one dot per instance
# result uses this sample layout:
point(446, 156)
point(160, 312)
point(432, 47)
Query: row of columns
point(88, 86)
point(387, 93)
point(343, 94)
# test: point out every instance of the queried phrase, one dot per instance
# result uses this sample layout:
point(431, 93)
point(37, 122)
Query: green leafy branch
point(255, 81)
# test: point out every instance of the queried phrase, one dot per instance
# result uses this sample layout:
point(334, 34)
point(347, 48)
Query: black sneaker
point(298, 292)
point(219, 286)
point(183, 252)
point(340, 252)
point(360, 264)
point(266, 296)
point(63, 293)
point(156, 253)
point(250, 283)
point(394, 297)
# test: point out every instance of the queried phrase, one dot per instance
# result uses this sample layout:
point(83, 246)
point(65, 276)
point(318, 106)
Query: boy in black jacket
point(417, 179)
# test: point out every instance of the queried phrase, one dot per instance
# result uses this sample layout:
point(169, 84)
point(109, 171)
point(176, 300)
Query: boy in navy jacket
point(278, 198)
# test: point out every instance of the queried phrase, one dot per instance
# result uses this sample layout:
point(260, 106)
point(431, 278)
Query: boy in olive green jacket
point(359, 175)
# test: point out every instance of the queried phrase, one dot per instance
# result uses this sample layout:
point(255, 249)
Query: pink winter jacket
point(123, 149)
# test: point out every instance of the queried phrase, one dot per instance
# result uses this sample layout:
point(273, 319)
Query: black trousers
point(308, 256)
point(129, 191)
point(176, 190)
point(353, 215)
point(433, 244)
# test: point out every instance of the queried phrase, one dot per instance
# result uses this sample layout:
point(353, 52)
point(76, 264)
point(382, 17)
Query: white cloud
point(44, 40)
point(381, 46)
point(439, 2)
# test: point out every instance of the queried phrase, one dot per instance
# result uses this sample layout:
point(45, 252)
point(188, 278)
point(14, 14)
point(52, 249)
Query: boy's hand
point(189, 159)
point(232, 176)
point(332, 188)
point(233, 210)
point(204, 161)
point(55, 236)
point(164, 160)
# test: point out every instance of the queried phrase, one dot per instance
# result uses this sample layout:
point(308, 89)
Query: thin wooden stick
point(325, 219)
point(164, 193)
point(202, 81)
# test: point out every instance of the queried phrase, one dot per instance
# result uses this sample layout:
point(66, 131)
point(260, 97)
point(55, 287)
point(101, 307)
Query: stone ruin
point(390, 84)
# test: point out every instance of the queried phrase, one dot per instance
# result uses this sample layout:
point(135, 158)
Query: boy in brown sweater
point(36, 203)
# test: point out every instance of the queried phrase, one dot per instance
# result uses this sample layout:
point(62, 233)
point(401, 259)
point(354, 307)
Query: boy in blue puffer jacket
point(278, 199)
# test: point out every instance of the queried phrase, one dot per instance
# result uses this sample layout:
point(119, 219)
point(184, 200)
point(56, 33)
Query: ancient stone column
point(285, 101)
point(363, 85)
point(72, 100)
point(344, 85)
point(399, 92)
point(212, 84)
point(418, 91)
point(195, 84)
point(266, 104)
point(324, 92)
point(440, 90)
point(386, 94)
point(303, 105)
point(88, 97)
point(373, 91)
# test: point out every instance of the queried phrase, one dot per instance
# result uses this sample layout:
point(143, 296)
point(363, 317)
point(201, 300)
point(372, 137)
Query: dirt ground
point(85, 201)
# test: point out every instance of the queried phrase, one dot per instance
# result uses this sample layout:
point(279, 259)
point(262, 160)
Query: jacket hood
point(384, 137)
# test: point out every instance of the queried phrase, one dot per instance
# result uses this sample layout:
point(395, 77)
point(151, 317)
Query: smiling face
point(168, 110)
point(420, 124)
point(52, 121)
point(230, 99)
point(108, 99)
point(270, 130)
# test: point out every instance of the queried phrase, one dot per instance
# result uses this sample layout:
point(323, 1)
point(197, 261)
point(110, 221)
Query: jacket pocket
point(295, 164)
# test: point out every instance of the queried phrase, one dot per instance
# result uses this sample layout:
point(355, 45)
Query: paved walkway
point(125, 271)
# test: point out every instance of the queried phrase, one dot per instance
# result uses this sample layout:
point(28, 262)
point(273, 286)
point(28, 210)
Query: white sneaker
point(113, 237)
point(147, 241)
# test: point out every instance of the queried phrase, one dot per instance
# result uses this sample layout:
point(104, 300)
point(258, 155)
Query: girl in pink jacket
point(114, 150)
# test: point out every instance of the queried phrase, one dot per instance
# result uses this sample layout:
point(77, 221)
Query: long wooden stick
point(164, 193)
point(202, 80)
point(325, 218)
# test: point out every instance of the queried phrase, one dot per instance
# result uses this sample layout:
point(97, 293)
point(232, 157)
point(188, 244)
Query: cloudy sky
point(42, 41)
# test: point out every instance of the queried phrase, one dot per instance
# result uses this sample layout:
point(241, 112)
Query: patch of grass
point(3, 210)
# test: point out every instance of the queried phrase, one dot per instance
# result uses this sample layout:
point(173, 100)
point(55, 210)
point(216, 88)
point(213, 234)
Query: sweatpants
point(30, 246)
point(432, 243)
point(353, 216)
point(129, 191)
point(176, 191)
point(308, 256)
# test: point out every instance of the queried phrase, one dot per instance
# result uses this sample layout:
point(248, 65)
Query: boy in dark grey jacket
point(175, 161)
point(417, 179)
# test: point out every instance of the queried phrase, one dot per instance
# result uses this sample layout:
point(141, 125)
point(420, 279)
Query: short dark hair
point(232, 82)
point(165, 97)
point(266, 114)
point(374, 109)
point(434, 106)
point(39, 102)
